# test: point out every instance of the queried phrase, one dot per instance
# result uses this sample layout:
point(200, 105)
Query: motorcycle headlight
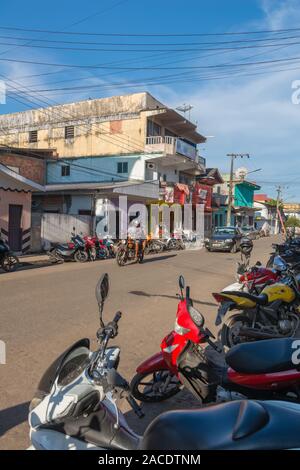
point(196, 316)
point(180, 330)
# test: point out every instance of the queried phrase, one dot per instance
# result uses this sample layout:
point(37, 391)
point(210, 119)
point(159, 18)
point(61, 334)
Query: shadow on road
point(26, 266)
point(145, 294)
point(11, 417)
point(158, 258)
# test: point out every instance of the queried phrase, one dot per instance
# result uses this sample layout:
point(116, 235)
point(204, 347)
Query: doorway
point(14, 227)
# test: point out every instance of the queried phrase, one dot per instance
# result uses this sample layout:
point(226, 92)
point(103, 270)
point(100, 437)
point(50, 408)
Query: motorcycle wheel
point(149, 386)
point(121, 256)
point(140, 257)
point(81, 256)
point(229, 334)
point(10, 263)
point(103, 253)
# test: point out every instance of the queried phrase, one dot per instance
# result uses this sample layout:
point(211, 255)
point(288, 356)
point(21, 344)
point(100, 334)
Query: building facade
point(129, 145)
point(21, 174)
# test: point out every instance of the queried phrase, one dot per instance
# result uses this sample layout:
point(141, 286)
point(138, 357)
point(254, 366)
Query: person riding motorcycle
point(137, 234)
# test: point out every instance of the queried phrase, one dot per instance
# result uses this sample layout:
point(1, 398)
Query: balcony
point(170, 146)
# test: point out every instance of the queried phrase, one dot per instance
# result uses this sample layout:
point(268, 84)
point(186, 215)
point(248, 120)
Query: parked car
point(249, 232)
point(224, 239)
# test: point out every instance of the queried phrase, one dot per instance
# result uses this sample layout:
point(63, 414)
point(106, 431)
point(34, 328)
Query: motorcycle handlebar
point(117, 317)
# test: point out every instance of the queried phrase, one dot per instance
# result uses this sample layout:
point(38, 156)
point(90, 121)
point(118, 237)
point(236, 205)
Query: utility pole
point(278, 200)
point(232, 156)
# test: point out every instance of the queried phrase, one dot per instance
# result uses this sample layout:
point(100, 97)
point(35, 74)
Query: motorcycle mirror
point(102, 289)
point(181, 282)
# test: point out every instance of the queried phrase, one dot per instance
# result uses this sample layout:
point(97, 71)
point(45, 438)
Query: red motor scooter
point(265, 369)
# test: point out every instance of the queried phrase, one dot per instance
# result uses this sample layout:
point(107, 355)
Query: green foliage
point(292, 221)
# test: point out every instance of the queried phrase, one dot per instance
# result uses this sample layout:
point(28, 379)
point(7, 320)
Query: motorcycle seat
point(236, 425)
point(267, 356)
point(261, 299)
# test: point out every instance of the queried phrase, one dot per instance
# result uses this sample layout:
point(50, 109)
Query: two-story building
point(129, 145)
point(243, 212)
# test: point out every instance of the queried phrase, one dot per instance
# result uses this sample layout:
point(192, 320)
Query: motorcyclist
point(137, 234)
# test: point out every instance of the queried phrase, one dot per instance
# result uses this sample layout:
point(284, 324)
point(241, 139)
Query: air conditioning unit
point(150, 166)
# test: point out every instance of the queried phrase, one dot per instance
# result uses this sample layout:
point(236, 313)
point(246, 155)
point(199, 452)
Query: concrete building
point(243, 212)
point(131, 145)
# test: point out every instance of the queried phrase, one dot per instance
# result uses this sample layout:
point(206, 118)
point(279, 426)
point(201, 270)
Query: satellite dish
point(241, 173)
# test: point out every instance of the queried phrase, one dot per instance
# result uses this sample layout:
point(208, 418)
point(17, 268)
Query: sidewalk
point(33, 258)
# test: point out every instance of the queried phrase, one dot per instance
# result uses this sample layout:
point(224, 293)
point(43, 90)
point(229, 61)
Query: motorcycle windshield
point(70, 362)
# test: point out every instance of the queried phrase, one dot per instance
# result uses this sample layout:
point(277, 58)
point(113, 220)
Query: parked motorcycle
point(75, 407)
point(126, 252)
point(274, 313)
point(154, 246)
point(8, 260)
point(260, 370)
point(74, 251)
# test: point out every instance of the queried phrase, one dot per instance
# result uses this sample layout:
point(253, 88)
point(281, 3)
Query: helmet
point(246, 246)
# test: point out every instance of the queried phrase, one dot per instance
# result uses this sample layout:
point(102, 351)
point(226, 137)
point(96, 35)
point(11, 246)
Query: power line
point(89, 66)
point(82, 33)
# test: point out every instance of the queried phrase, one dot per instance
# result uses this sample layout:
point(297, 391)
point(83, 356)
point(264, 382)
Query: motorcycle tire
point(121, 256)
point(10, 263)
point(141, 258)
point(157, 395)
point(103, 253)
point(81, 256)
point(228, 336)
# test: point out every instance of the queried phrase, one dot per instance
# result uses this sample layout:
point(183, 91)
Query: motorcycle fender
point(222, 310)
point(152, 364)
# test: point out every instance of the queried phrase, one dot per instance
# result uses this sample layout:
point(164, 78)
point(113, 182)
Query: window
point(69, 132)
point(33, 136)
point(65, 170)
point(84, 212)
point(122, 167)
point(153, 129)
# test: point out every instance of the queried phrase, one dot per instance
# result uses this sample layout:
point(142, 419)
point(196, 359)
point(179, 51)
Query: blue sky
point(246, 109)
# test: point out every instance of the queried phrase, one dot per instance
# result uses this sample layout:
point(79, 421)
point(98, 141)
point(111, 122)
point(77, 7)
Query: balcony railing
point(171, 145)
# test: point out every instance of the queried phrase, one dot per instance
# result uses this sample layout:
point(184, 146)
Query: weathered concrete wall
point(57, 228)
point(106, 126)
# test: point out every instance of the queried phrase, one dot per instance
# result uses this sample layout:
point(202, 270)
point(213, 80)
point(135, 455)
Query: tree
point(292, 221)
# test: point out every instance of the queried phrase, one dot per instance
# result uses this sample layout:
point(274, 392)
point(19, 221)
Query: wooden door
point(14, 227)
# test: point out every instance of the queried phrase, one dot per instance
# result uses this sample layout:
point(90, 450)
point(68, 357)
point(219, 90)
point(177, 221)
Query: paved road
point(42, 311)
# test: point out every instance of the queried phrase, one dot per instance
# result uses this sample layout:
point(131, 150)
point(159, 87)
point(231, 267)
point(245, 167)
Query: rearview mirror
point(102, 289)
point(181, 282)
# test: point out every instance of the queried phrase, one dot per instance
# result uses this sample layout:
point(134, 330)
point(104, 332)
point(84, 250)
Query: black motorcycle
point(74, 251)
point(8, 261)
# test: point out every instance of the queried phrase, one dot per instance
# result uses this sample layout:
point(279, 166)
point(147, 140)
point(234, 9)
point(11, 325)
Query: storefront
point(15, 209)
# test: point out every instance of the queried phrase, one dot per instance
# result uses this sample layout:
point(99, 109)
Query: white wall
point(57, 228)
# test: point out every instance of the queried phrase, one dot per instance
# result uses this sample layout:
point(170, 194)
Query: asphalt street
point(43, 310)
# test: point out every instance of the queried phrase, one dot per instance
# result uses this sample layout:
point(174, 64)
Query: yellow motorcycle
point(275, 313)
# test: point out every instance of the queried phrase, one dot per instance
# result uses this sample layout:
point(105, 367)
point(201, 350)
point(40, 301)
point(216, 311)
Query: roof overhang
point(10, 179)
point(146, 190)
point(177, 123)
